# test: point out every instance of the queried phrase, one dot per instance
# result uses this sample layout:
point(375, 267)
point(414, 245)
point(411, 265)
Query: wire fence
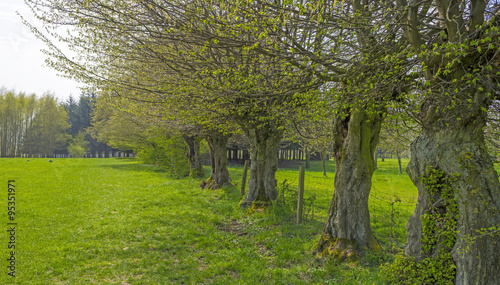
point(389, 213)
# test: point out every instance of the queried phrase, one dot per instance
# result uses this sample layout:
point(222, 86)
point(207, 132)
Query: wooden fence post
point(300, 200)
point(244, 179)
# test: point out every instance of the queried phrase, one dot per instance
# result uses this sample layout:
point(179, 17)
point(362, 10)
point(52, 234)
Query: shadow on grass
point(128, 164)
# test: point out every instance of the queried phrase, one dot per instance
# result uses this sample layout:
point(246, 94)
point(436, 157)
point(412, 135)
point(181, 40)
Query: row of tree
point(212, 68)
point(31, 125)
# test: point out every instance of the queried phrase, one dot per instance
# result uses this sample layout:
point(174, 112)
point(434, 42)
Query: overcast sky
point(21, 61)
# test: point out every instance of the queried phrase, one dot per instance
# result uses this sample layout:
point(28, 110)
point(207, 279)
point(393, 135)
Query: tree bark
point(459, 148)
point(193, 155)
point(218, 157)
point(399, 162)
point(347, 228)
point(323, 162)
point(264, 144)
point(452, 138)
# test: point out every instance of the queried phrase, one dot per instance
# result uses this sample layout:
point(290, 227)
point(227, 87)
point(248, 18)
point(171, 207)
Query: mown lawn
point(116, 221)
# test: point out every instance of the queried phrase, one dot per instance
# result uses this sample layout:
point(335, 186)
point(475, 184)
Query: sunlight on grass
point(116, 221)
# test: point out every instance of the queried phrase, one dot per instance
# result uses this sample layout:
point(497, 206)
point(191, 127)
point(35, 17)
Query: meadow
point(117, 221)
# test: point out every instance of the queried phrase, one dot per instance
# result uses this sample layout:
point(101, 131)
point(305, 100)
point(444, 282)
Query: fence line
point(97, 154)
point(389, 213)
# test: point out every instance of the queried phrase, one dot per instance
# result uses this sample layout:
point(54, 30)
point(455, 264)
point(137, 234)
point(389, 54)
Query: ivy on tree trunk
point(459, 149)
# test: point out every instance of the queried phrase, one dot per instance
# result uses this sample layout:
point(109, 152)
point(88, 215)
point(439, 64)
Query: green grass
point(388, 187)
point(116, 221)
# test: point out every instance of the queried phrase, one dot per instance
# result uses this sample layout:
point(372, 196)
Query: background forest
point(34, 126)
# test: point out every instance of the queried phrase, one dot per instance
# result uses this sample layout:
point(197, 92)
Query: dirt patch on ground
point(234, 227)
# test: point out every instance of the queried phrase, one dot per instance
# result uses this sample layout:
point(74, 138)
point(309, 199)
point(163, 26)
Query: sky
point(22, 66)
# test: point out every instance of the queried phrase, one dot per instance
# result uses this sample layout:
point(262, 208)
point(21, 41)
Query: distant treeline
point(31, 125)
point(80, 118)
point(42, 126)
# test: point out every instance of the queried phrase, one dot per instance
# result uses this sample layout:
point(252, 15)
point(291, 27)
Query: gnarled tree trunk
point(459, 148)
point(193, 155)
point(453, 116)
point(347, 228)
point(218, 158)
point(264, 144)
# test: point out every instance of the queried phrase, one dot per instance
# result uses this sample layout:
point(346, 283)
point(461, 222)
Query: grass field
point(116, 221)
